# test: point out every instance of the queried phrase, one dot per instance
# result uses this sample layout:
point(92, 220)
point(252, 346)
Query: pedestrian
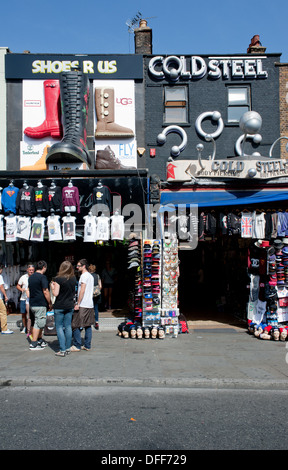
point(3, 311)
point(84, 309)
point(63, 288)
point(108, 276)
point(39, 301)
point(96, 298)
point(22, 286)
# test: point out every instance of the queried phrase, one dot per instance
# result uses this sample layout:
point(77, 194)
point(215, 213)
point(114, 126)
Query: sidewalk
point(218, 356)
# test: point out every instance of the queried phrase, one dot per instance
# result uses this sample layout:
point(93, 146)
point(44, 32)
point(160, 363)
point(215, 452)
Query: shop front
point(56, 217)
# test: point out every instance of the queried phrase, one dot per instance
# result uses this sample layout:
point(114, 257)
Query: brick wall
point(283, 100)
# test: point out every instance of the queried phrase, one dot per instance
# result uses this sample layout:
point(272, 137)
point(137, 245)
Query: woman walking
point(63, 287)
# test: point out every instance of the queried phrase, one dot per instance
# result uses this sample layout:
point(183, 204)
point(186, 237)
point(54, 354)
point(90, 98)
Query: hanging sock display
point(74, 92)
point(52, 124)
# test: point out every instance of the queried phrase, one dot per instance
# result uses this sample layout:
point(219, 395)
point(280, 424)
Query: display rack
point(152, 251)
point(170, 274)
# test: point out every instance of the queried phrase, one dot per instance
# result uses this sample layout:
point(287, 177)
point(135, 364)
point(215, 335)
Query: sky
point(188, 27)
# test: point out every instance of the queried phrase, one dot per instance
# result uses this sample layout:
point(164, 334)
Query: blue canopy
point(222, 197)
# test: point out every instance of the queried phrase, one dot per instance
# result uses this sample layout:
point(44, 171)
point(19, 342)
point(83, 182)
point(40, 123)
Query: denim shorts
point(40, 316)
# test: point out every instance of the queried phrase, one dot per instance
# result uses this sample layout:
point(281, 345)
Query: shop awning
point(222, 197)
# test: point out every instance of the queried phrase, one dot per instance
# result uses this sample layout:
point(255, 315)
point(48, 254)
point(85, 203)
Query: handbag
point(96, 291)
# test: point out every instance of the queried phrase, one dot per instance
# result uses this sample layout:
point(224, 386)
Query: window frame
point(175, 104)
point(239, 105)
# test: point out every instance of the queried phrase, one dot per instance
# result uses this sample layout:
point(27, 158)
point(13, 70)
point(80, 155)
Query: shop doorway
point(213, 280)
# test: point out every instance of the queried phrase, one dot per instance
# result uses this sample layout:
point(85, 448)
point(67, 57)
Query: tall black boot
point(74, 93)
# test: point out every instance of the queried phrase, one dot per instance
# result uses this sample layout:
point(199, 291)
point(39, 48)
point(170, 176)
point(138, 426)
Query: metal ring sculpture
point(215, 116)
point(175, 150)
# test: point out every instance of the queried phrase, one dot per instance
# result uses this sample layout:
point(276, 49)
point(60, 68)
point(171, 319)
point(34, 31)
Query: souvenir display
point(117, 226)
point(267, 309)
point(9, 197)
point(170, 311)
point(90, 228)
point(25, 201)
point(55, 197)
point(41, 198)
point(54, 227)
point(69, 227)
point(37, 229)
point(151, 282)
point(70, 198)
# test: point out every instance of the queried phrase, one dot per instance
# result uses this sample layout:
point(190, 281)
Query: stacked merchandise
point(151, 283)
point(134, 267)
point(268, 299)
point(170, 311)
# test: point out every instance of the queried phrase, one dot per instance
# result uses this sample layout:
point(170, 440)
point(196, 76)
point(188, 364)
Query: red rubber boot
point(52, 124)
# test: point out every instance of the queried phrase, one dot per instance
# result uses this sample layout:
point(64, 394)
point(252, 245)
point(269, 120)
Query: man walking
point(22, 286)
point(84, 309)
point(39, 300)
point(3, 310)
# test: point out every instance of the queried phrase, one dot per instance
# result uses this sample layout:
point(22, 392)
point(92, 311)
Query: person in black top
point(63, 287)
point(39, 301)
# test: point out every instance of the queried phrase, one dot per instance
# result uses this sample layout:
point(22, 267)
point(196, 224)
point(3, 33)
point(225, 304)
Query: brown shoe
point(106, 160)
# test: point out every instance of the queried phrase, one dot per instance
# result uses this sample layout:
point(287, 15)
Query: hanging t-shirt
point(69, 228)
point(25, 201)
point(41, 199)
point(23, 227)
point(37, 229)
point(9, 197)
point(11, 228)
point(258, 229)
point(70, 199)
point(102, 195)
point(90, 226)
point(117, 227)
point(55, 198)
point(102, 231)
point(246, 225)
point(54, 228)
point(1, 227)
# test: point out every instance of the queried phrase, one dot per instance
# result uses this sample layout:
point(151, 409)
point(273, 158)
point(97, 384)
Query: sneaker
point(60, 353)
point(35, 347)
point(85, 349)
point(42, 343)
point(7, 332)
point(74, 349)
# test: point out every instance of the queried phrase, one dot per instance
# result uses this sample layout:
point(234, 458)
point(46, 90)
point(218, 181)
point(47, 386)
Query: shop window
point(175, 105)
point(238, 103)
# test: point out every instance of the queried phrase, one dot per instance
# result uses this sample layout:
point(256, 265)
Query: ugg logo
point(124, 101)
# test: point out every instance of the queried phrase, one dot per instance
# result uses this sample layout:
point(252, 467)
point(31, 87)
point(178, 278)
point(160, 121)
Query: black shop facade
point(222, 180)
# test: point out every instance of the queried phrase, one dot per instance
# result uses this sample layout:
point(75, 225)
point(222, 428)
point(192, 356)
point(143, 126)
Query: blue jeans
point(87, 338)
point(96, 310)
point(63, 319)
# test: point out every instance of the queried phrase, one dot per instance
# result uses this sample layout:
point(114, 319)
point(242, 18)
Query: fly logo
point(107, 66)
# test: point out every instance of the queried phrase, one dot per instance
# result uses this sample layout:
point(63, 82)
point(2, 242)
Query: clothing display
point(90, 228)
point(23, 227)
point(9, 197)
point(41, 198)
point(55, 197)
point(25, 201)
point(69, 227)
point(11, 228)
point(37, 229)
point(151, 258)
point(117, 227)
point(102, 229)
point(170, 310)
point(102, 195)
point(54, 228)
point(70, 199)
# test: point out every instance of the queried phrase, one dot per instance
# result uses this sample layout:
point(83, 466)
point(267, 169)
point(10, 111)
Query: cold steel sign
point(29, 66)
point(196, 67)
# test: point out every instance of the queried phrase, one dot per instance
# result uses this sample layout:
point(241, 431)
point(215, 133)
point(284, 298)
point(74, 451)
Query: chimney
point(143, 38)
point(255, 47)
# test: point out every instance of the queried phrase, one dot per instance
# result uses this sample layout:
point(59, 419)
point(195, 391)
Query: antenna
point(135, 20)
point(131, 23)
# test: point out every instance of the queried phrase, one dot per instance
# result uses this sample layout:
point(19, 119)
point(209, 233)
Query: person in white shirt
point(3, 311)
point(22, 286)
point(84, 309)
